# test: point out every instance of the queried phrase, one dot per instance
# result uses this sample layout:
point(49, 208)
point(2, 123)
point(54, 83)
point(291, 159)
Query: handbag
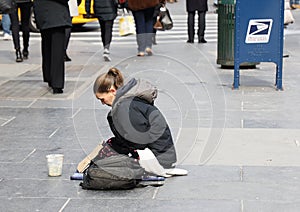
point(5, 6)
point(164, 20)
point(73, 7)
point(126, 25)
point(135, 5)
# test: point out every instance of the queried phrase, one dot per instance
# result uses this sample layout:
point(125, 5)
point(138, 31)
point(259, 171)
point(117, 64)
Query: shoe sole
point(106, 58)
point(140, 54)
point(176, 172)
point(150, 53)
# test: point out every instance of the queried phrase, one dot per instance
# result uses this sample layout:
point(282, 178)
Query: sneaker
point(176, 172)
point(152, 178)
point(7, 36)
point(106, 51)
point(106, 57)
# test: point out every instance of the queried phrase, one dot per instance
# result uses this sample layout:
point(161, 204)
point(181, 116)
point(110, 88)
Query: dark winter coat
point(196, 5)
point(137, 124)
point(136, 5)
point(105, 10)
point(52, 13)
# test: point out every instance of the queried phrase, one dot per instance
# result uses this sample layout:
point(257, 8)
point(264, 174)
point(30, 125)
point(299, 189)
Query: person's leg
point(15, 32)
point(57, 59)
point(15, 27)
point(25, 18)
point(139, 19)
point(191, 27)
point(6, 24)
point(201, 27)
point(107, 36)
point(149, 29)
point(46, 55)
point(102, 29)
point(154, 32)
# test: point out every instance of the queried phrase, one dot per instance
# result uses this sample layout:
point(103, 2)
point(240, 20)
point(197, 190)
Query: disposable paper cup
point(55, 163)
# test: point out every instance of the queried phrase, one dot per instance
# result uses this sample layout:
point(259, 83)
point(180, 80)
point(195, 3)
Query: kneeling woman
point(134, 120)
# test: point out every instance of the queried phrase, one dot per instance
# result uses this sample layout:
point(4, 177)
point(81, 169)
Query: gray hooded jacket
point(138, 124)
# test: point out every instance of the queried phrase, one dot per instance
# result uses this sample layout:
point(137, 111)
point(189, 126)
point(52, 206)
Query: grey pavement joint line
point(9, 120)
point(52, 134)
point(76, 112)
point(155, 193)
point(34, 101)
point(33, 151)
point(64, 206)
point(241, 174)
point(242, 205)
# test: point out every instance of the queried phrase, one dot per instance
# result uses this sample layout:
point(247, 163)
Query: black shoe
point(190, 41)
point(49, 84)
point(25, 54)
point(57, 90)
point(202, 40)
point(19, 57)
point(66, 58)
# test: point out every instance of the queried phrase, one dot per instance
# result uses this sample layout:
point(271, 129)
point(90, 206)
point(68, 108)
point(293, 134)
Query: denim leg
point(141, 42)
point(149, 26)
point(6, 24)
point(140, 27)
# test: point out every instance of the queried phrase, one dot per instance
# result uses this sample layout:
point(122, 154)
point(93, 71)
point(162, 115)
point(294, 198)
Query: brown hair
point(105, 81)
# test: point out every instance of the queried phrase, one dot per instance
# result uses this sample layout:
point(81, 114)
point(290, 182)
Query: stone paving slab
point(241, 147)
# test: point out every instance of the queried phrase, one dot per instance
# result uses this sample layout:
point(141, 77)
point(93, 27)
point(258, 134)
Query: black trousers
point(53, 51)
point(106, 32)
point(191, 25)
point(25, 9)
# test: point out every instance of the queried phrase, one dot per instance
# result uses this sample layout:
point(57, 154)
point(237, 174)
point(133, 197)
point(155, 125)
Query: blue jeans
point(6, 24)
point(144, 28)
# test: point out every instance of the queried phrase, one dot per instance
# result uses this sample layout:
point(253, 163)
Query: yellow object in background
point(126, 25)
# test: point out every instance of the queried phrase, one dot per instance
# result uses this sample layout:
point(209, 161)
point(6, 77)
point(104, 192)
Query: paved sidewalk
point(241, 147)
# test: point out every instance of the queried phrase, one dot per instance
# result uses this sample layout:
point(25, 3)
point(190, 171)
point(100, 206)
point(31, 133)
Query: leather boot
point(19, 57)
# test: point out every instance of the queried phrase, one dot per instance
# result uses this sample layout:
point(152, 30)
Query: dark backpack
point(112, 173)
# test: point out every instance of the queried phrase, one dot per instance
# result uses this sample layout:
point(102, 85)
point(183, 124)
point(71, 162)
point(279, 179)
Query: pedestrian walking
point(143, 16)
point(6, 24)
point(134, 120)
point(25, 8)
point(52, 18)
point(199, 6)
point(162, 3)
point(73, 8)
point(106, 12)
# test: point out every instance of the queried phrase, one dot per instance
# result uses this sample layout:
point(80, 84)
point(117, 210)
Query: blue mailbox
point(259, 35)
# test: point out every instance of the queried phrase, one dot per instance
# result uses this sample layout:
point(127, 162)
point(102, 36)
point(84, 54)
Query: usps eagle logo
point(259, 31)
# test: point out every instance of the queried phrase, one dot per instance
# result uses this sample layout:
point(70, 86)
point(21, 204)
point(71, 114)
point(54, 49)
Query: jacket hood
point(137, 88)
